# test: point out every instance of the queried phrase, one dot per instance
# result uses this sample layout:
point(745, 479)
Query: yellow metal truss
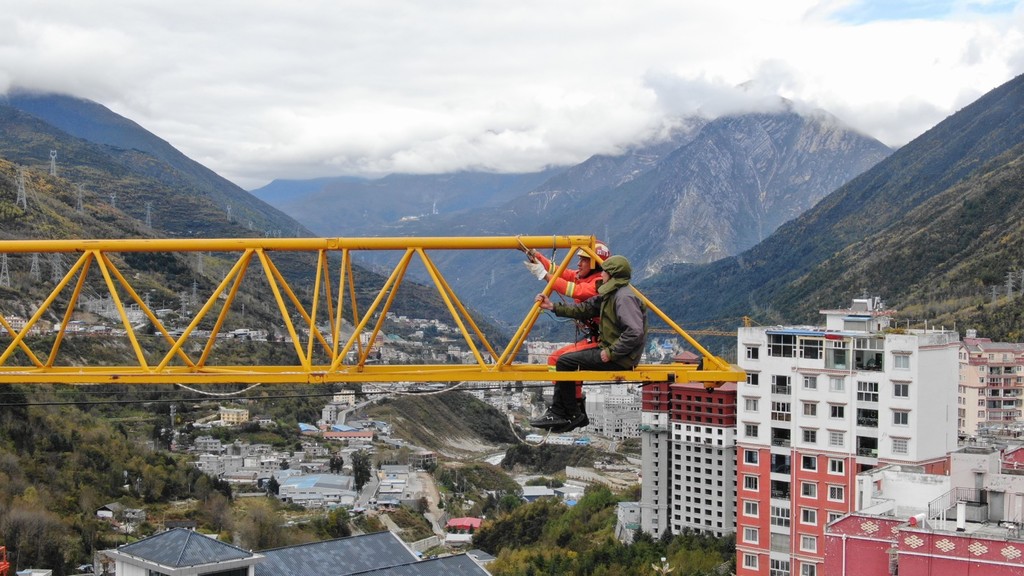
point(322, 355)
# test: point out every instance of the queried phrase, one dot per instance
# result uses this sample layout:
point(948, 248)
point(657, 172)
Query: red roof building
point(465, 524)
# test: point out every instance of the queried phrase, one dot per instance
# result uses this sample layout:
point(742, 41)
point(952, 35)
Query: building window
point(808, 569)
point(901, 361)
point(750, 535)
point(750, 404)
point(836, 384)
point(900, 446)
point(750, 483)
point(808, 543)
point(833, 516)
point(780, 384)
point(836, 466)
point(837, 355)
point(836, 439)
point(810, 382)
point(900, 418)
point(810, 409)
point(809, 463)
point(782, 345)
point(836, 493)
point(750, 508)
point(753, 352)
point(750, 430)
point(900, 390)
point(781, 411)
point(808, 516)
point(750, 456)
point(778, 567)
point(810, 348)
point(808, 489)
point(837, 411)
point(810, 436)
point(750, 561)
point(780, 516)
point(867, 391)
point(752, 379)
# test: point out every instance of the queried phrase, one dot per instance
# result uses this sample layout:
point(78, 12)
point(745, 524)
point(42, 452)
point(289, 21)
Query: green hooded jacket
point(623, 316)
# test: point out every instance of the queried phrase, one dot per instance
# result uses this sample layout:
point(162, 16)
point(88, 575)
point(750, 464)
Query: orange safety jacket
point(569, 283)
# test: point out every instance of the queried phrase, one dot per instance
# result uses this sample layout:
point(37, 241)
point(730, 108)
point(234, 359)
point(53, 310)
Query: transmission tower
point(229, 213)
point(5, 275)
point(199, 263)
point(113, 199)
point(53, 162)
point(149, 214)
point(56, 268)
point(1009, 284)
point(79, 207)
point(33, 271)
point(22, 197)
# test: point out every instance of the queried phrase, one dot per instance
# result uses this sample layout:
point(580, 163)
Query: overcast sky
point(262, 89)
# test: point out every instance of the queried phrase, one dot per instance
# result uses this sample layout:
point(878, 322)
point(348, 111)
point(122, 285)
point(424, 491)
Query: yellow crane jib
point(324, 334)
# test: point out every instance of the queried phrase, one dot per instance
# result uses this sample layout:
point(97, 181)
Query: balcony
point(787, 390)
point(780, 464)
point(780, 437)
point(780, 490)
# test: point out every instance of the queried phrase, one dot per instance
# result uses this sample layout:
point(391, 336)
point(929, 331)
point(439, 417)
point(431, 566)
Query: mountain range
point(934, 229)
point(771, 215)
point(709, 190)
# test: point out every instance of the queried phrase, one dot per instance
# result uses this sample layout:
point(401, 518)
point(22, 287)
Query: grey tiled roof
point(353, 555)
point(461, 565)
point(180, 547)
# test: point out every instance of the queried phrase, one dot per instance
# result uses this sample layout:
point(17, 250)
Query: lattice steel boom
point(328, 333)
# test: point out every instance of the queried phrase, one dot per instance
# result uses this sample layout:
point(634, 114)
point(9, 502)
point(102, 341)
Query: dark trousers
point(564, 403)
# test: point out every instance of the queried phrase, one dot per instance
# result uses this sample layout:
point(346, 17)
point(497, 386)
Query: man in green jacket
point(623, 332)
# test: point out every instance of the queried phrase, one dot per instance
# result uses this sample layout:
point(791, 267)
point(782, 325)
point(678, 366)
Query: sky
point(258, 90)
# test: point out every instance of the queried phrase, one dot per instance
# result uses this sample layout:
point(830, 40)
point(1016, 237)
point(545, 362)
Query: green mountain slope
point(927, 229)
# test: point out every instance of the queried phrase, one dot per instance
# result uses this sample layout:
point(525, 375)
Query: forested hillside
point(933, 230)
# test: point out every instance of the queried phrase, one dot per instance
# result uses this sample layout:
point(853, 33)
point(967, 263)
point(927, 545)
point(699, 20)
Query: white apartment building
point(819, 406)
point(614, 411)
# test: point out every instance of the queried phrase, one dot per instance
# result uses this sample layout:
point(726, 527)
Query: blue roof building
point(181, 552)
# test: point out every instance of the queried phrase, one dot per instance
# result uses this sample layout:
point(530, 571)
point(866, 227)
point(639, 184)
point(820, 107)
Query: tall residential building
point(689, 458)
point(991, 385)
point(821, 405)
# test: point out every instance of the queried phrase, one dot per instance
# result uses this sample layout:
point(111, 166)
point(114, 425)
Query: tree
point(361, 469)
point(337, 464)
point(216, 512)
point(261, 526)
point(334, 525)
point(273, 486)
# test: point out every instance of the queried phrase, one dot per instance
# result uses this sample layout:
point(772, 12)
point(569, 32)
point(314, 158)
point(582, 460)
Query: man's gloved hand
point(536, 268)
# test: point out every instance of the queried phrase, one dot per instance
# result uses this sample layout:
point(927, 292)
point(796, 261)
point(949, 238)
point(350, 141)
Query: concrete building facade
point(912, 523)
point(688, 458)
point(819, 406)
point(991, 386)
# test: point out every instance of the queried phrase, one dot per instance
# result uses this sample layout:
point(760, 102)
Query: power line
point(283, 396)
